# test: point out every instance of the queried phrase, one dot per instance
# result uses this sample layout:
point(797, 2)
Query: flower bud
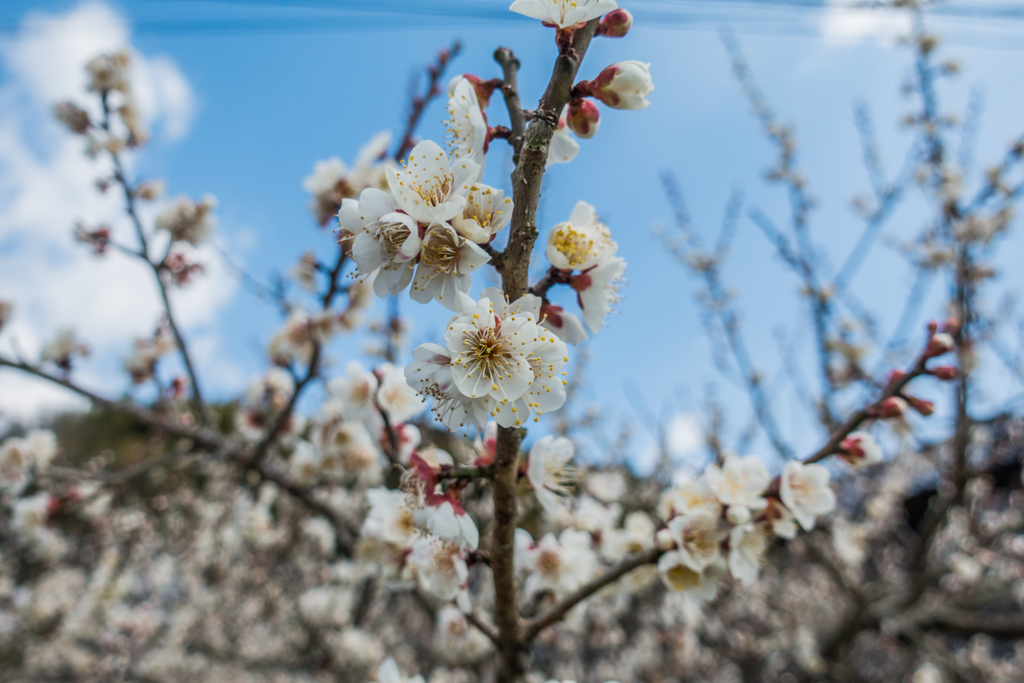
point(72, 116)
point(737, 514)
point(150, 190)
point(895, 376)
point(951, 326)
point(584, 119)
point(933, 327)
point(615, 24)
point(894, 406)
point(663, 539)
point(945, 372)
point(860, 449)
point(926, 408)
point(940, 344)
point(625, 85)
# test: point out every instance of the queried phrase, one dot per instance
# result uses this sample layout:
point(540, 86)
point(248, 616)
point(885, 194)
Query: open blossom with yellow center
point(806, 492)
point(385, 239)
point(466, 124)
point(490, 345)
point(563, 13)
point(696, 536)
point(547, 364)
point(430, 187)
point(581, 242)
point(446, 260)
point(679, 574)
point(487, 211)
point(739, 481)
point(560, 565)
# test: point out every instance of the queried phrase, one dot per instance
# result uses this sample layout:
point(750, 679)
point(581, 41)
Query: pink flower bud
point(615, 24)
point(926, 408)
point(933, 327)
point(951, 326)
point(894, 406)
point(860, 449)
point(940, 344)
point(945, 372)
point(895, 376)
point(625, 85)
point(584, 119)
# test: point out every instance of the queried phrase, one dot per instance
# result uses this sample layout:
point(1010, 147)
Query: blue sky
point(265, 104)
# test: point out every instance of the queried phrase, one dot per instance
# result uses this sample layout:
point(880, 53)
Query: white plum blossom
point(678, 574)
point(748, 544)
point(356, 390)
point(391, 518)
point(739, 481)
point(430, 374)
point(430, 187)
point(598, 291)
point(549, 471)
point(781, 519)
point(581, 242)
point(466, 124)
point(332, 182)
point(446, 260)
point(395, 397)
point(385, 239)
point(607, 487)
point(690, 496)
point(624, 85)
point(305, 463)
point(449, 521)
point(559, 565)
point(563, 13)
point(15, 465)
point(487, 211)
point(696, 537)
point(563, 147)
point(547, 360)
point(636, 535)
point(489, 343)
point(442, 569)
point(806, 492)
point(188, 221)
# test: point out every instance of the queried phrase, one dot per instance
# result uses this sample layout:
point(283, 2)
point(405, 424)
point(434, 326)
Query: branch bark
point(526, 187)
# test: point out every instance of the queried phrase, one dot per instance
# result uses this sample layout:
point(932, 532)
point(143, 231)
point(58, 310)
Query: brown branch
point(526, 187)
point(510, 90)
point(561, 608)
point(483, 626)
point(419, 104)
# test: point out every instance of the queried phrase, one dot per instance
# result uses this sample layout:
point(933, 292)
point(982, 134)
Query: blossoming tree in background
point(360, 540)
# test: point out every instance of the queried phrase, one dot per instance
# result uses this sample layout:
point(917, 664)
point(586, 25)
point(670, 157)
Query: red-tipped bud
point(584, 119)
point(895, 377)
point(926, 408)
point(624, 85)
point(933, 327)
point(860, 449)
point(940, 344)
point(615, 24)
point(894, 406)
point(951, 326)
point(945, 372)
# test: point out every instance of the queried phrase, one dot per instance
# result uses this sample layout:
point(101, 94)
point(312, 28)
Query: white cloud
point(47, 184)
point(842, 21)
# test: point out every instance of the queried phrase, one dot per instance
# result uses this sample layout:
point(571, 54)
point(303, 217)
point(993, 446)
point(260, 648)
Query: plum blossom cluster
point(22, 461)
point(582, 255)
point(109, 77)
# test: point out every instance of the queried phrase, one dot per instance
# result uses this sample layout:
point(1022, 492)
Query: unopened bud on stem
point(584, 118)
point(615, 24)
